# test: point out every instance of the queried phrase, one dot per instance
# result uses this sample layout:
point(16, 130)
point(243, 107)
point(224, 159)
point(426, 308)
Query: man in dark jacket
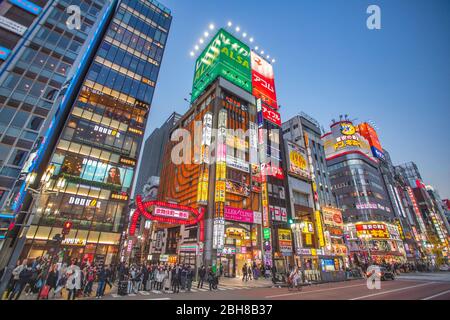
point(201, 275)
point(176, 278)
point(145, 275)
point(189, 278)
point(24, 278)
point(184, 272)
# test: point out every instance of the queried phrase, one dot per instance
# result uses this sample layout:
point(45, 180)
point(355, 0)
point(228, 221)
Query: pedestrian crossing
point(194, 289)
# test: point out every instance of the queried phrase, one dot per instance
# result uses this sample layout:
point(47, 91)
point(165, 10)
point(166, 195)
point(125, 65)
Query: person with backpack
point(24, 278)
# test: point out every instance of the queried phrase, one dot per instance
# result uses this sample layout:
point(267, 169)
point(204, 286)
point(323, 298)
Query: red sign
point(271, 115)
point(263, 81)
point(171, 213)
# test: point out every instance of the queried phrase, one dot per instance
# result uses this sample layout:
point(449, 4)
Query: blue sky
point(329, 63)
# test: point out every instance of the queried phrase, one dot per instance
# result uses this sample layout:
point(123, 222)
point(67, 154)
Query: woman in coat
point(73, 283)
point(168, 279)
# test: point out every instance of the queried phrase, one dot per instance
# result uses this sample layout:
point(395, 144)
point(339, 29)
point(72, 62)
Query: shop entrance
point(238, 249)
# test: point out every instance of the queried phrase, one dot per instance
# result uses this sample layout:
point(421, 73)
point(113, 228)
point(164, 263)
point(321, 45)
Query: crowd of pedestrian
point(163, 278)
point(47, 280)
point(255, 271)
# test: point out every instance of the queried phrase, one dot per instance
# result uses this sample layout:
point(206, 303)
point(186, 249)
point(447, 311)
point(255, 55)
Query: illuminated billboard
point(344, 138)
point(297, 163)
point(224, 56)
point(263, 81)
point(368, 132)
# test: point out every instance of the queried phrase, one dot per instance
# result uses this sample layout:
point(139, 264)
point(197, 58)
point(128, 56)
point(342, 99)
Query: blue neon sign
point(27, 6)
point(4, 53)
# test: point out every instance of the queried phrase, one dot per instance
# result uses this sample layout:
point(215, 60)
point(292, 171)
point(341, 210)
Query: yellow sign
point(319, 229)
point(347, 143)
point(308, 239)
point(202, 192)
point(297, 159)
point(220, 191)
point(348, 129)
point(313, 252)
point(221, 171)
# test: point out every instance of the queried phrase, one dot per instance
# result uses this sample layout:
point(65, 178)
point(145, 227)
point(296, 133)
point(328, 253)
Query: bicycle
point(292, 286)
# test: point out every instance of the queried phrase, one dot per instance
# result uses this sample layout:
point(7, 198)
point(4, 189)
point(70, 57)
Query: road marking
point(132, 295)
point(115, 295)
point(144, 293)
point(202, 290)
point(394, 290)
point(222, 289)
point(313, 291)
point(436, 295)
point(159, 299)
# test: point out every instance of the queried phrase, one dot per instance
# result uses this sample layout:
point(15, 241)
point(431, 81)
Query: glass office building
point(98, 148)
point(31, 75)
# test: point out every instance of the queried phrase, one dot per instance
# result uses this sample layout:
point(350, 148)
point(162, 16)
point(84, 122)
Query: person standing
point(189, 278)
point(168, 279)
point(176, 275)
point(201, 275)
point(145, 274)
point(184, 272)
point(244, 272)
point(73, 283)
point(249, 272)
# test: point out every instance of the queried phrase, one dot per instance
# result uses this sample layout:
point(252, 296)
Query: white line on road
point(394, 290)
point(436, 295)
point(321, 290)
point(160, 299)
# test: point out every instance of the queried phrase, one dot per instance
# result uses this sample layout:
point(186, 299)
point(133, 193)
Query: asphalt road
point(409, 287)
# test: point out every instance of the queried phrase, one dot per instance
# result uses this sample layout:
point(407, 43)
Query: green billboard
point(224, 56)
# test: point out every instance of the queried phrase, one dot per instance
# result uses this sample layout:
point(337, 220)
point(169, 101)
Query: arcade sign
point(171, 213)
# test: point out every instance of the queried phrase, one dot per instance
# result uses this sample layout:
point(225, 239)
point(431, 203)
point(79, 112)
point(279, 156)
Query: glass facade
point(33, 79)
point(97, 151)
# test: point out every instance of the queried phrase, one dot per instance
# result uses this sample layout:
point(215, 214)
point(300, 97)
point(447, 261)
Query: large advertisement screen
point(297, 163)
point(227, 57)
point(263, 81)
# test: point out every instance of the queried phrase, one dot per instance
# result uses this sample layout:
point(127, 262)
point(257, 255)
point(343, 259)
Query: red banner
point(271, 115)
point(263, 81)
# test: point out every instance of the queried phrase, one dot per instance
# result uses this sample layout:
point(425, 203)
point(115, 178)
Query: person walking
point(101, 278)
point(73, 283)
point(249, 272)
point(90, 278)
point(201, 276)
point(15, 276)
point(24, 278)
point(52, 279)
point(211, 279)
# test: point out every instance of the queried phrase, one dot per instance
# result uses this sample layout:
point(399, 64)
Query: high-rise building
point(32, 76)
point(94, 140)
point(152, 155)
point(235, 177)
point(353, 157)
point(17, 21)
point(296, 129)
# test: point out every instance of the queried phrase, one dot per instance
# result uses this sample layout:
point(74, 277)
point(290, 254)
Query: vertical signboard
point(319, 229)
point(263, 81)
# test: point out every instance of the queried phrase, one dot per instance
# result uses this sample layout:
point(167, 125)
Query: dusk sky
point(329, 63)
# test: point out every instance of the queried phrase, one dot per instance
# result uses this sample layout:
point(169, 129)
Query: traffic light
point(66, 227)
point(291, 222)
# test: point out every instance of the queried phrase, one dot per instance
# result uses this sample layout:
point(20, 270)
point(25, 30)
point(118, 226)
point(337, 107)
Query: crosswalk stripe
point(203, 290)
point(144, 293)
point(222, 289)
point(115, 295)
point(132, 295)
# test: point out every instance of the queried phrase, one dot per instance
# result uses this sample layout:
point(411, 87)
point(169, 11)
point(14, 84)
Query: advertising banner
point(285, 241)
point(27, 6)
point(297, 163)
point(332, 217)
point(263, 81)
point(241, 189)
point(271, 115)
point(368, 132)
point(319, 229)
point(171, 213)
point(240, 215)
point(224, 56)
point(376, 230)
point(220, 191)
